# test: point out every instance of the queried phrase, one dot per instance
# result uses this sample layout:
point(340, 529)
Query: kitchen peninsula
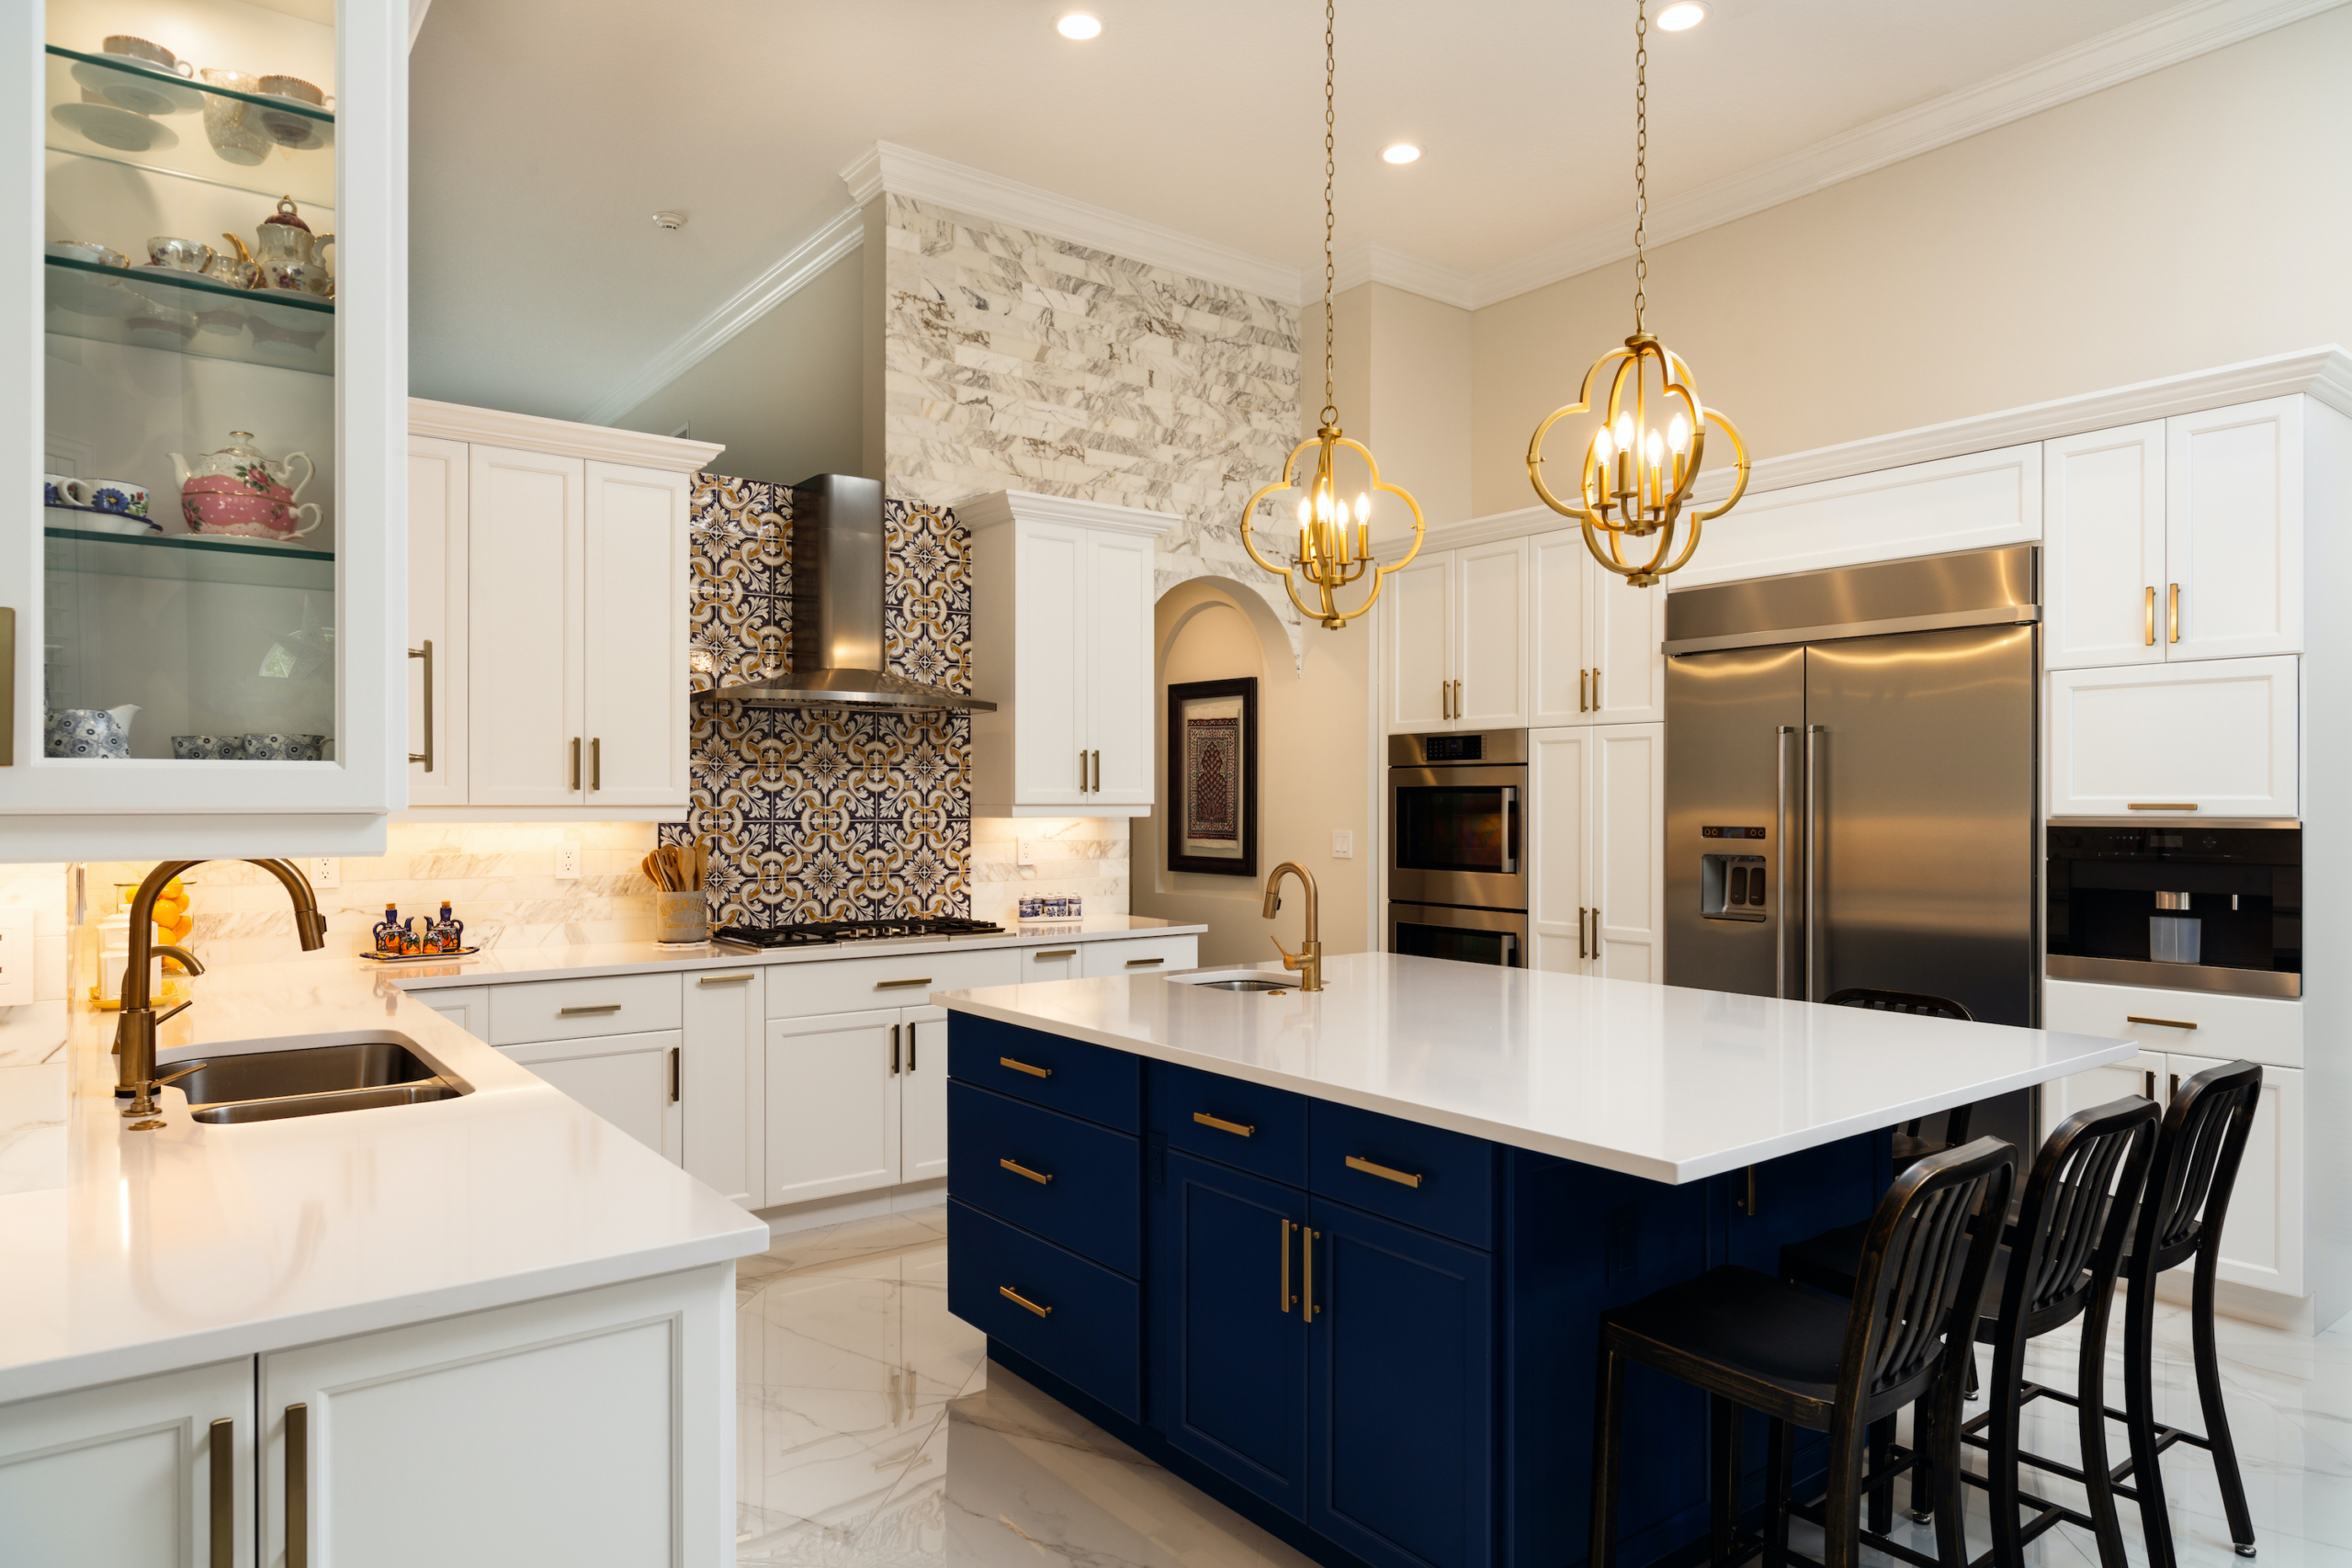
point(1338, 1259)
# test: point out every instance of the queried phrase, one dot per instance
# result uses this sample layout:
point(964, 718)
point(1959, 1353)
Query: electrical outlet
point(1026, 852)
point(567, 863)
point(1343, 844)
point(325, 871)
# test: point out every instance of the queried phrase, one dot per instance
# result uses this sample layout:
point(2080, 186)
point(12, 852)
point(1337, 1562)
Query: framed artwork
point(1212, 777)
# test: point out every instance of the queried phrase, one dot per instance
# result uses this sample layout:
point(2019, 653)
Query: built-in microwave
point(1457, 818)
point(2195, 906)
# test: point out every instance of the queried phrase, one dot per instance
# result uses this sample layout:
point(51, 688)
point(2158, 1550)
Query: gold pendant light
point(1330, 558)
point(1643, 460)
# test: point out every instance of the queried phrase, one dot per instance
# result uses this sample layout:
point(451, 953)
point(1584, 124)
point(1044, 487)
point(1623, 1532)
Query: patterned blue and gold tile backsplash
point(817, 815)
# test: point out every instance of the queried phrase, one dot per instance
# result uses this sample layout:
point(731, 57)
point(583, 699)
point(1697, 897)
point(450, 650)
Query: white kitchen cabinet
point(1139, 956)
point(2142, 1074)
point(157, 1469)
point(1597, 871)
point(1050, 963)
point(2216, 737)
point(590, 1428)
point(468, 1006)
point(1062, 594)
point(1593, 640)
point(630, 1080)
point(2269, 1030)
point(1417, 640)
point(2103, 591)
point(923, 1096)
point(2234, 531)
point(723, 1113)
point(835, 1085)
point(558, 573)
point(1454, 639)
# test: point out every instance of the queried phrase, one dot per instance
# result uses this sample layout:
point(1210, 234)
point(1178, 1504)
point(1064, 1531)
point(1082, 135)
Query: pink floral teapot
point(236, 490)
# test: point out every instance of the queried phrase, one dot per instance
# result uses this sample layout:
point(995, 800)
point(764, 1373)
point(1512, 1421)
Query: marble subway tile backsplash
point(1081, 855)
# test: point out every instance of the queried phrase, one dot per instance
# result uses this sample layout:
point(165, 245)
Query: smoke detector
point(672, 221)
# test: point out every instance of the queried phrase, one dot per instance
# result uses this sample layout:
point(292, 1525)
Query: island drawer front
point(1093, 1190)
point(1091, 1330)
point(535, 1010)
point(1093, 1081)
point(1454, 1196)
point(1275, 1144)
point(2269, 1030)
point(853, 985)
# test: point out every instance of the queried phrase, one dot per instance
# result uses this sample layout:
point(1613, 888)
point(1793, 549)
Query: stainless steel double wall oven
point(1457, 846)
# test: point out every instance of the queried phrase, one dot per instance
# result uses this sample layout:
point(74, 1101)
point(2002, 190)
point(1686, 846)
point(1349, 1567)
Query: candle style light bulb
point(1677, 435)
point(1343, 514)
point(1306, 513)
point(1625, 432)
point(1601, 446)
point(1656, 449)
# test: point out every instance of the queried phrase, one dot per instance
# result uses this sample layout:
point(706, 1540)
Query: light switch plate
point(19, 963)
point(1343, 844)
point(567, 863)
point(325, 871)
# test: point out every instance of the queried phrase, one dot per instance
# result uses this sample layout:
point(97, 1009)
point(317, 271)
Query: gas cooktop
point(828, 934)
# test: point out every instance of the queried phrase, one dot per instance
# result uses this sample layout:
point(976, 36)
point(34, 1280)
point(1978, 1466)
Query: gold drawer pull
point(298, 1486)
point(222, 1463)
point(722, 979)
point(1040, 1177)
point(1404, 1177)
point(1222, 1125)
point(1057, 953)
point(2162, 805)
point(900, 985)
point(585, 1011)
point(2159, 1022)
point(1143, 962)
point(1024, 1067)
point(1009, 1293)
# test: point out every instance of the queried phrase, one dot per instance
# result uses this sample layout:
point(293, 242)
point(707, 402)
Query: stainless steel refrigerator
point(1850, 785)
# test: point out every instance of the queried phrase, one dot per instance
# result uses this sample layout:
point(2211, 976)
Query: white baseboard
point(817, 1212)
point(2296, 1314)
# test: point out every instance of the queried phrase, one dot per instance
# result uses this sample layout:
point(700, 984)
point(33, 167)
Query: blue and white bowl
point(283, 748)
point(208, 747)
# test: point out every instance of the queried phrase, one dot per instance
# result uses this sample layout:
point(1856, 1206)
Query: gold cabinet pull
point(902, 985)
point(1581, 952)
point(1283, 1268)
point(722, 979)
point(911, 1045)
point(1057, 953)
point(1306, 1308)
point(2148, 1084)
point(1024, 1067)
point(1098, 772)
point(587, 1010)
point(1015, 1166)
point(223, 1465)
point(596, 762)
point(894, 1050)
point(2150, 631)
point(1444, 699)
point(1222, 1125)
point(298, 1486)
point(2172, 616)
point(2162, 805)
point(1457, 699)
point(1017, 1299)
point(1402, 1178)
point(2159, 1022)
point(1584, 679)
point(1596, 688)
point(575, 762)
point(1081, 769)
point(2175, 1088)
point(426, 756)
point(1143, 962)
point(7, 688)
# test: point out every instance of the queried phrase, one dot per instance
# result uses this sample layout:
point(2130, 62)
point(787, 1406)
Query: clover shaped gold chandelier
point(1334, 543)
point(1651, 441)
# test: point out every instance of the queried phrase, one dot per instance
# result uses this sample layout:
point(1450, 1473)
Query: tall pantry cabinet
point(550, 596)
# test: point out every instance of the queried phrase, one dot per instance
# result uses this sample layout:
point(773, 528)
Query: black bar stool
point(1909, 1144)
point(1804, 1359)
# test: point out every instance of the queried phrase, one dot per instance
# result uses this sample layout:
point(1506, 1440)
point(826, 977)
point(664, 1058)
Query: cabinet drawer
point(1275, 1145)
point(576, 1009)
point(1143, 956)
point(1439, 1180)
point(852, 985)
point(1091, 1195)
point(2261, 1028)
point(1093, 1081)
point(1084, 1323)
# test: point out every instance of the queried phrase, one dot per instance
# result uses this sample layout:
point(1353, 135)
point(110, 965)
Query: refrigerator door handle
point(1783, 913)
point(1813, 921)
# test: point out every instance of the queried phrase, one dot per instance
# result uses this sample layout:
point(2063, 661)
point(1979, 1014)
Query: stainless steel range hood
point(838, 574)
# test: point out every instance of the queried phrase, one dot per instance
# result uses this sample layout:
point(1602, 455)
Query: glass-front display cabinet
point(208, 349)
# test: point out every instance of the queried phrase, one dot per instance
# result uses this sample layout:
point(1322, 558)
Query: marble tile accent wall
point(1014, 360)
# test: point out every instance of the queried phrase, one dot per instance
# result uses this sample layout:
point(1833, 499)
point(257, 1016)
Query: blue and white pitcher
point(90, 732)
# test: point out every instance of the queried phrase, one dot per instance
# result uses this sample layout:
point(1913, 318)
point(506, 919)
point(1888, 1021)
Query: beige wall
point(784, 392)
point(1313, 736)
point(2191, 217)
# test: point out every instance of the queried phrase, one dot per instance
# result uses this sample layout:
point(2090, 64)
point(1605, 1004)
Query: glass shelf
point(101, 107)
point(186, 313)
point(186, 558)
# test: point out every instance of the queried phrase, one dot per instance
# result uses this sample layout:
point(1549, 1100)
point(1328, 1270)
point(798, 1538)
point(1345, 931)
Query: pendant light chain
point(1640, 153)
point(1331, 19)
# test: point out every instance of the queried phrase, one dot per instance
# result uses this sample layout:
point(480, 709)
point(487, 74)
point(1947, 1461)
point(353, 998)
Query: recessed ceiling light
point(1078, 25)
point(1681, 17)
point(1403, 152)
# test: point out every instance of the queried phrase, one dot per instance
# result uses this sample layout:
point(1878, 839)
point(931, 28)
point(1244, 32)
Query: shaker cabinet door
point(525, 537)
point(1491, 635)
point(437, 477)
point(719, 1102)
point(1559, 816)
point(2218, 738)
point(922, 1102)
point(835, 1086)
point(2234, 531)
point(1050, 630)
point(1559, 664)
point(2262, 1235)
point(2104, 590)
point(1627, 881)
point(631, 1080)
point(1118, 676)
point(1417, 670)
point(634, 651)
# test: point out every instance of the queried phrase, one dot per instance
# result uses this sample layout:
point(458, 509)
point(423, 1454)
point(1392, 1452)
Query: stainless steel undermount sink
point(1244, 985)
point(1234, 980)
point(350, 1073)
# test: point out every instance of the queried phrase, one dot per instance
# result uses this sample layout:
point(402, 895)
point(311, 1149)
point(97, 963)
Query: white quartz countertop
point(1657, 1081)
point(193, 1243)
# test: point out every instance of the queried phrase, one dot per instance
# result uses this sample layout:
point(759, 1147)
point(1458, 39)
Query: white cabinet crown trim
point(996, 508)
point(559, 438)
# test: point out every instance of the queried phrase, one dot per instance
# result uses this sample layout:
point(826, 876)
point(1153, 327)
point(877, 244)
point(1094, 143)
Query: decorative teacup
point(180, 255)
point(118, 496)
point(233, 125)
point(208, 747)
point(284, 747)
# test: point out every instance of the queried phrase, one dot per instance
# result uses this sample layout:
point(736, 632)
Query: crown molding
point(997, 507)
point(843, 234)
point(559, 438)
point(1367, 263)
point(901, 171)
point(2150, 44)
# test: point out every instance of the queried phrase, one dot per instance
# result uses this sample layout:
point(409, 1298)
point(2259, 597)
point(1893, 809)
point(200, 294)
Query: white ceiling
point(544, 134)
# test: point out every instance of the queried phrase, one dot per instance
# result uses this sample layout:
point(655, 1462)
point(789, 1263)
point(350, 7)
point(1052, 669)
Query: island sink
point(1234, 980)
point(355, 1073)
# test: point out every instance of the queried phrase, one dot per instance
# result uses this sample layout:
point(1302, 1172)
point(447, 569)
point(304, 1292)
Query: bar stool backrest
point(2076, 1214)
point(2196, 1165)
point(1923, 1270)
point(1896, 1001)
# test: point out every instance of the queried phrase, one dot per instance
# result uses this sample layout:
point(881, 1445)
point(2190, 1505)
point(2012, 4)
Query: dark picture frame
point(1203, 833)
